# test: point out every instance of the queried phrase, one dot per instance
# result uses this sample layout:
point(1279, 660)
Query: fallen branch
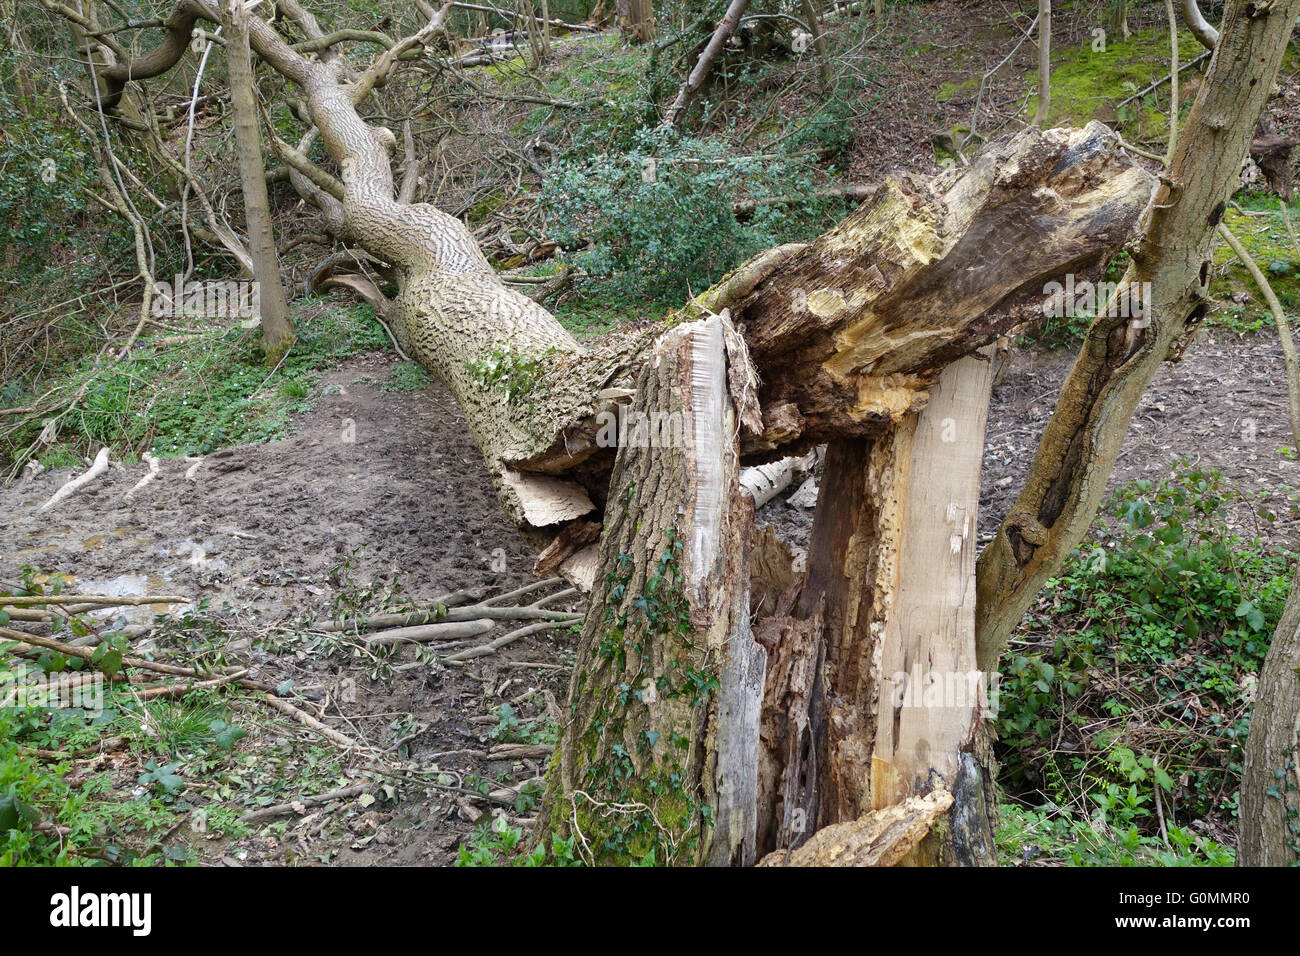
point(307, 720)
point(180, 690)
point(76, 484)
point(491, 648)
point(1160, 82)
point(695, 80)
point(428, 633)
point(302, 803)
point(89, 600)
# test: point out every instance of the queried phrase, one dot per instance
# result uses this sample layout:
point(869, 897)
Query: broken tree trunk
point(635, 20)
point(672, 741)
point(933, 700)
point(659, 754)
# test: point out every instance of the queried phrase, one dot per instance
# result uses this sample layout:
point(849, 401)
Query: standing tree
point(1044, 62)
point(277, 328)
point(636, 20)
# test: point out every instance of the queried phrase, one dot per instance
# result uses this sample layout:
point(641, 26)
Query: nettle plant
point(659, 218)
point(1135, 672)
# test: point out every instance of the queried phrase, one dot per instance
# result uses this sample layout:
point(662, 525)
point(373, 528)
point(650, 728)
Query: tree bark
point(277, 329)
point(659, 753)
point(1044, 62)
point(635, 20)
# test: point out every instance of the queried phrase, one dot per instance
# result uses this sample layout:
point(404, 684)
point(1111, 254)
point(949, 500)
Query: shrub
point(678, 232)
point(1132, 680)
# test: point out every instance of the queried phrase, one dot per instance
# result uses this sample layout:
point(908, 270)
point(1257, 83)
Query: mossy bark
point(658, 757)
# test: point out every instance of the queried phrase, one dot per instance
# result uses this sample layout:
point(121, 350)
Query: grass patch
point(196, 396)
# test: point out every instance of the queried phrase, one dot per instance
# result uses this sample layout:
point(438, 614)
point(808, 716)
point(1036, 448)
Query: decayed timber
point(930, 732)
point(883, 837)
point(860, 322)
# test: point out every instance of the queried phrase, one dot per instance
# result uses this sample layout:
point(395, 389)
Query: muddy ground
point(261, 533)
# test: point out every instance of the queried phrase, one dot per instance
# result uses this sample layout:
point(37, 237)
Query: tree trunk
point(1044, 62)
point(1119, 19)
point(659, 753)
point(700, 72)
point(635, 20)
point(1169, 278)
point(820, 47)
point(1270, 778)
point(277, 329)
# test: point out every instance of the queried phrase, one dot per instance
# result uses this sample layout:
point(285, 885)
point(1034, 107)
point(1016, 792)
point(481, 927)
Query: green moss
point(1265, 238)
point(1087, 85)
point(948, 91)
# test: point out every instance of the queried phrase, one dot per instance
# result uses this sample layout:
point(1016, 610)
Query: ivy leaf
point(1253, 615)
point(225, 735)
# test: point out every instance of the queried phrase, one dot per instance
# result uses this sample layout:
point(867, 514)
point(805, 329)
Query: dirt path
point(260, 528)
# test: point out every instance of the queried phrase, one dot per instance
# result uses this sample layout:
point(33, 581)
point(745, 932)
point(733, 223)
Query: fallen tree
point(699, 729)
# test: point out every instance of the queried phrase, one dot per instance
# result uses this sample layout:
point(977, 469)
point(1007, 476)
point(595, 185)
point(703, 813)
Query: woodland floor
point(261, 530)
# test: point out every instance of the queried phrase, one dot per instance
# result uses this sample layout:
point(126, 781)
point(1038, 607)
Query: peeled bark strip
point(659, 748)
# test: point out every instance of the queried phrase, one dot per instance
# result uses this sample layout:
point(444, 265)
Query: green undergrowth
point(202, 393)
point(1260, 226)
point(96, 776)
point(1125, 695)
